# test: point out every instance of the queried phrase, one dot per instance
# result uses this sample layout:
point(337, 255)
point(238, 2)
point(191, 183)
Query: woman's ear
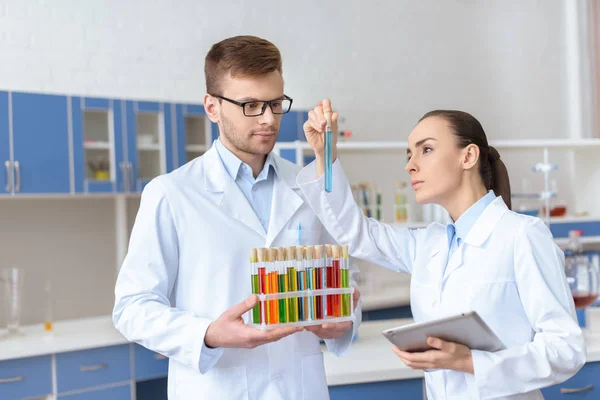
point(211, 107)
point(470, 156)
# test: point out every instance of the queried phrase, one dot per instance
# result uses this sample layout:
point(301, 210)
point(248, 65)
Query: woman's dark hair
point(468, 131)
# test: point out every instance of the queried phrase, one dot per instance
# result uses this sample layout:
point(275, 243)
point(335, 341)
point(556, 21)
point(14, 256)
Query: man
point(182, 288)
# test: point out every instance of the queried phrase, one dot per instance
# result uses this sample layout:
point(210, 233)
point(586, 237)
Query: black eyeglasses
point(255, 108)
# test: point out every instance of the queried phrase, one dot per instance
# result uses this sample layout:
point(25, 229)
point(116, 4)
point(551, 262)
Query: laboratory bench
point(89, 359)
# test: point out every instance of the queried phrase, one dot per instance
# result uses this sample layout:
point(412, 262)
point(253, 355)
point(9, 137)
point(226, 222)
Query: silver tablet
point(466, 328)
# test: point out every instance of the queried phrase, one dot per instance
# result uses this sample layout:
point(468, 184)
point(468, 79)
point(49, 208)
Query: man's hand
point(334, 330)
point(229, 330)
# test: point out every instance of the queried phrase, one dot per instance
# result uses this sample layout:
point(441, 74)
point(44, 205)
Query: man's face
point(251, 135)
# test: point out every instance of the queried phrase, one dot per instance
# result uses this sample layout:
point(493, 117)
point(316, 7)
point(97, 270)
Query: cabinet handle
point(123, 166)
point(577, 390)
point(159, 357)
point(12, 380)
point(95, 367)
point(132, 180)
point(8, 175)
point(17, 176)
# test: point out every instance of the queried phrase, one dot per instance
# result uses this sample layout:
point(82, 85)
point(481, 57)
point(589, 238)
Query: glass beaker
point(12, 279)
point(583, 279)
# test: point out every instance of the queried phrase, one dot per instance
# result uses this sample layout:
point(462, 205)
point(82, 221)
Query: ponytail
point(498, 180)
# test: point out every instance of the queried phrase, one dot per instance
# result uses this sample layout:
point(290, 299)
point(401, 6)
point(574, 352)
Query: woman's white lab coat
point(508, 269)
point(188, 262)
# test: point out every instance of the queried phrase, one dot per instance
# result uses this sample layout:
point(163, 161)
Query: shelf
point(582, 239)
point(500, 144)
point(149, 147)
point(196, 148)
point(96, 145)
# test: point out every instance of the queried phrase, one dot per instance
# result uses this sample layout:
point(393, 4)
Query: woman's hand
point(314, 130)
point(447, 355)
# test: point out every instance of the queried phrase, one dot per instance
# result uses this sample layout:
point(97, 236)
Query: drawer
point(148, 364)
point(26, 377)
point(585, 384)
point(115, 393)
point(95, 367)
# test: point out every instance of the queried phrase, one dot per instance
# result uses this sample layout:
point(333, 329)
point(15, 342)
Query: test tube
point(282, 284)
point(292, 285)
point(329, 279)
point(274, 282)
point(261, 256)
point(310, 279)
point(255, 284)
point(301, 282)
point(328, 153)
point(335, 263)
point(345, 281)
point(319, 264)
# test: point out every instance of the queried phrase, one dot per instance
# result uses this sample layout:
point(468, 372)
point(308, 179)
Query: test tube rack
point(301, 286)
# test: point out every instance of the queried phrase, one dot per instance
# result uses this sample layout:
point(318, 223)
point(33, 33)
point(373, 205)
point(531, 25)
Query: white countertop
point(80, 334)
point(370, 358)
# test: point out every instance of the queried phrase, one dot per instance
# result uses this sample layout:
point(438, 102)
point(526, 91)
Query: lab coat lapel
point(285, 201)
point(438, 257)
point(226, 193)
point(478, 234)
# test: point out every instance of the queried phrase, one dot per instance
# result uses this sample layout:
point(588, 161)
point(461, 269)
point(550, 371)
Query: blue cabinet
point(90, 368)
point(115, 393)
point(405, 389)
point(40, 135)
point(192, 132)
point(584, 385)
point(99, 161)
point(148, 364)
point(149, 140)
point(26, 377)
point(6, 175)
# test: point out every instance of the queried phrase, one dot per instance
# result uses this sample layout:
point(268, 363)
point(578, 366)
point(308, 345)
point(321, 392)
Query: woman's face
point(434, 161)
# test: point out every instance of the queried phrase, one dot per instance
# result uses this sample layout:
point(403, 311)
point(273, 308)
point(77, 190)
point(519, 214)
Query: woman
point(503, 265)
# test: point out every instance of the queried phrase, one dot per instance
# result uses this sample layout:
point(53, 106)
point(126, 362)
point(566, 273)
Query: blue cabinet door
point(5, 160)
point(26, 377)
point(584, 385)
point(98, 135)
point(41, 143)
point(400, 389)
point(148, 160)
point(182, 113)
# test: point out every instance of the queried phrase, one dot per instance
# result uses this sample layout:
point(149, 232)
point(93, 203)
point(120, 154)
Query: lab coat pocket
point(218, 383)
point(314, 383)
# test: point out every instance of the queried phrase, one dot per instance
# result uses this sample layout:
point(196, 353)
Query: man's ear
point(470, 156)
point(211, 106)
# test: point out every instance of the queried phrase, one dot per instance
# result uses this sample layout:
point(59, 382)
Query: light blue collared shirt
point(259, 191)
point(458, 231)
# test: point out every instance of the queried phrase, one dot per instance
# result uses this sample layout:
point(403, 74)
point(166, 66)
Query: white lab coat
point(188, 262)
point(507, 269)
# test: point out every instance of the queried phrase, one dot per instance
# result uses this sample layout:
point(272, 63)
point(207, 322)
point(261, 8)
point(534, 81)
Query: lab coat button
point(276, 377)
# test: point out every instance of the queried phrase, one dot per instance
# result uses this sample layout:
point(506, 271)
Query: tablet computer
point(465, 328)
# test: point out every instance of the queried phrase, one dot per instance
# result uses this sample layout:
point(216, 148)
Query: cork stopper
point(327, 111)
point(253, 255)
point(261, 255)
point(319, 251)
point(336, 250)
point(345, 251)
point(280, 254)
point(299, 253)
point(328, 250)
point(289, 253)
point(308, 252)
point(272, 254)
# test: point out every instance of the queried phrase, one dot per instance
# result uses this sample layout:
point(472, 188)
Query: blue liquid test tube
point(328, 153)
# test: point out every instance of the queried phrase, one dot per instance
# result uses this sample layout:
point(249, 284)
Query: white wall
point(384, 64)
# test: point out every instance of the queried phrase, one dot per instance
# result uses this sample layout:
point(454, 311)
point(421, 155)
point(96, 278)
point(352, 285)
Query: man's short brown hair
point(245, 56)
